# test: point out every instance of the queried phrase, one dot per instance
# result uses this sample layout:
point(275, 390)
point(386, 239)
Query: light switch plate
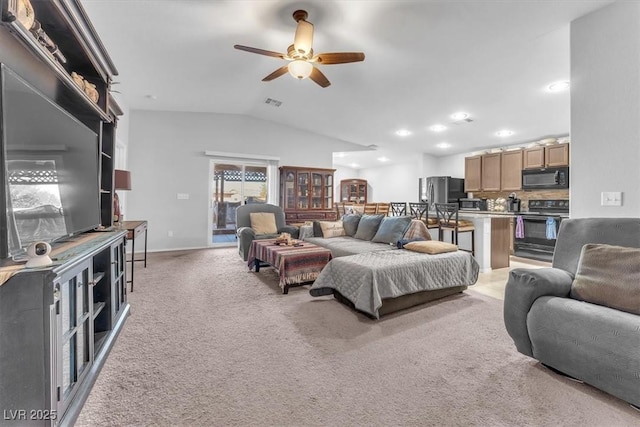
point(183, 196)
point(611, 198)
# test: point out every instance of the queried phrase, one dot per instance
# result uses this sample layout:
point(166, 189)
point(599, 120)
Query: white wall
point(605, 110)
point(450, 165)
point(393, 183)
point(166, 157)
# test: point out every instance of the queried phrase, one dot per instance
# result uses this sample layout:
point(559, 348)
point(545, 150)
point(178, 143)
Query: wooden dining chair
point(447, 215)
point(340, 209)
point(398, 208)
point(383, 209)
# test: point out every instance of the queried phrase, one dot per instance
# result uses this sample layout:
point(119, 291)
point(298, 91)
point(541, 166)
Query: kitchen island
point(493, 237)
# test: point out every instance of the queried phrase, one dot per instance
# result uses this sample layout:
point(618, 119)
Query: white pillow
point(263, 222)
point(332, 229)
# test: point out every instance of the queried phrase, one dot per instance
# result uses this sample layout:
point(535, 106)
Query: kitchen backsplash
point(524, 196)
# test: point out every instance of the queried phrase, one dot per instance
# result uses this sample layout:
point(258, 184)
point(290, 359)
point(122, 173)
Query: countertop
point(478, 214)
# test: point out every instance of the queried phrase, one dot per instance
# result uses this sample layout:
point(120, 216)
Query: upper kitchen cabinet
point(546, 156)
point(473, 173)
point(494, 171)
point(491, 171)
point(511, 173)
point(556, 155)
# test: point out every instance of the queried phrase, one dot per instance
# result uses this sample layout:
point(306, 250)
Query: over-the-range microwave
point(545, 178)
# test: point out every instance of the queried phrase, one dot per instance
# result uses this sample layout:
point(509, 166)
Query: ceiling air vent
point(462, 122)
point(273, 102)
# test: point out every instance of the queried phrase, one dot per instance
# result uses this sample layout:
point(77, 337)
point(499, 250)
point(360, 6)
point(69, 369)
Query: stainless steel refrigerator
point(440, 189)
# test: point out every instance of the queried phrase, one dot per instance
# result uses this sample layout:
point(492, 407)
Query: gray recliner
point(245, 233)
point(593, 343)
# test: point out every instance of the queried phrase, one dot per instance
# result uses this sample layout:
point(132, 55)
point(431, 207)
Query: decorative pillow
point(368, 226)
point(392, 229)
point(350, 223)
point(263, 222)
point(400, 243)
point(610, 276)
point(431, 247)
point(331, 229)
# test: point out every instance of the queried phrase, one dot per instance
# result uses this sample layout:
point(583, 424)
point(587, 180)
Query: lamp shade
point(300, 69)
point(122, 180)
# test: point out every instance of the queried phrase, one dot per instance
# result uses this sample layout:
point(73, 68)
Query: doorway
point(234, 184)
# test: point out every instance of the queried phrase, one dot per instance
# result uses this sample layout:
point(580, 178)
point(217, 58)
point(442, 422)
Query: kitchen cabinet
point(473, 173)
point(533, 157)
point(546, 156)
point(556, 155)
point(491, 171)
point(511, 170)
point(306, 194)
point(353, 191)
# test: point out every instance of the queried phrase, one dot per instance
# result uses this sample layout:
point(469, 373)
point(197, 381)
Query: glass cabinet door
point(304, 190)
point(289, 190)
point(328, 191)
point(74, 329)
point(316, 191)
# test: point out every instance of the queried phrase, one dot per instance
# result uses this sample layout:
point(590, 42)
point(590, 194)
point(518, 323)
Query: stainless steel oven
point(536, 230)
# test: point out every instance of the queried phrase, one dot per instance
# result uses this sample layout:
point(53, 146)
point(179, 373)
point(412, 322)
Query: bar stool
point(447, 215)
point(383, 208)
point(398, 208)
point(370, 208)
point(419, 210)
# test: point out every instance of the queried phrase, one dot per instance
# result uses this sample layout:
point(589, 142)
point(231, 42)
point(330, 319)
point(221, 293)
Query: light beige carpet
point(210, 344)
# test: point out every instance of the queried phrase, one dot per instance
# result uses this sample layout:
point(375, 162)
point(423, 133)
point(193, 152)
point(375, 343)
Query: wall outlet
point(611, 198)
point(183, 196)
point(169, 233)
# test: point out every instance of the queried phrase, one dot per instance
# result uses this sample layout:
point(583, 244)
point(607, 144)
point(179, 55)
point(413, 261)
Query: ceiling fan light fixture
point(300, 69)
point(304, 38)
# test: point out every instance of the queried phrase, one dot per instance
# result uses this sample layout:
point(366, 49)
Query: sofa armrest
point(246, 235)
point(523, 287)
point(291, 229)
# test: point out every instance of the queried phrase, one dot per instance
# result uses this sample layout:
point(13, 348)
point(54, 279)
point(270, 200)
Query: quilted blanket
point(366, 279)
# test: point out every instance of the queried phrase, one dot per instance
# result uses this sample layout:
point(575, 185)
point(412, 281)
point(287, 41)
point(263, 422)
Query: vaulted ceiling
point(425, 60)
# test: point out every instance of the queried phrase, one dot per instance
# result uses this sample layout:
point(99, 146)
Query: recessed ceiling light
point(339, 154)
point(443, 145)
point(504, 132)
point(438, 128)
point(558, 86)
point(403, 132)
point(354, 165)
point(383, 159)
point(460, 115)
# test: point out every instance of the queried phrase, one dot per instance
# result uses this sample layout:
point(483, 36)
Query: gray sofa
point(591, 342)
point(245, 233)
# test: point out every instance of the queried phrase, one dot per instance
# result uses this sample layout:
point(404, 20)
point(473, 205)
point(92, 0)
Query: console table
point(134, 229)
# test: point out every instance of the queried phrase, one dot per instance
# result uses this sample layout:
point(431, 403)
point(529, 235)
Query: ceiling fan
point(300, 55)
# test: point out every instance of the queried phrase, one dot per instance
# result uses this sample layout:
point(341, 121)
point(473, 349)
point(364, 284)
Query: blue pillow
point(368, 226)
point(350, 223)
point(392, 229)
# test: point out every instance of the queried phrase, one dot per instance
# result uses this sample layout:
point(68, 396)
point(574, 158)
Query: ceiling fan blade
point(277, 73)
point(338, 58)
point(260, 51)
point(317, 76)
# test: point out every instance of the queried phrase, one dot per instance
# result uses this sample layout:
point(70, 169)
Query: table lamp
point(122, 182)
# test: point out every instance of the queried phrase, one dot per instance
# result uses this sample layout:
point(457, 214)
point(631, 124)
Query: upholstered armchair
point(246, 234)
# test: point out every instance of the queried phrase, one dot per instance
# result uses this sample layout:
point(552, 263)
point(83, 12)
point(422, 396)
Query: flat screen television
point(51, 164)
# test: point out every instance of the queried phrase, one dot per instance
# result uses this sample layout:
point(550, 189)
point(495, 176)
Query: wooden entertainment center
point(59, 323)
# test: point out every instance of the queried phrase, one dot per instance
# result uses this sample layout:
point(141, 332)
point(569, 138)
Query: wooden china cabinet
point(306, 194)
point(353, 191)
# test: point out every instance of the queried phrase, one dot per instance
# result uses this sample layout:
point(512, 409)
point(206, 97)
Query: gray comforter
point(366, 279)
